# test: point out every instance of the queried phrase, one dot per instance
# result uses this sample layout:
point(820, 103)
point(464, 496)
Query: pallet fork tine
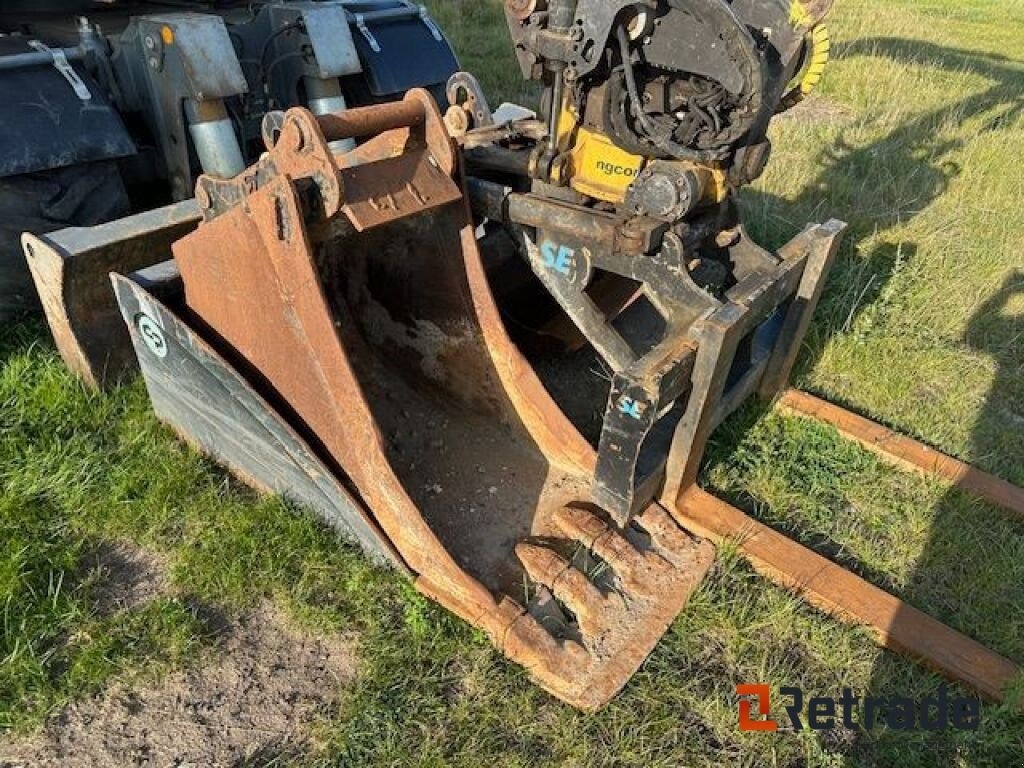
point(906, 453)
point(838, 592)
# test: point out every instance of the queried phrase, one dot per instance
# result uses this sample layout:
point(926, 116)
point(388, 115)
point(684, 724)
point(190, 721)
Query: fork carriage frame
point(715, 352)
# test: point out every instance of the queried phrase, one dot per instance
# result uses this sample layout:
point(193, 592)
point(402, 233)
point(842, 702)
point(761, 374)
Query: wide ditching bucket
point(328, 332)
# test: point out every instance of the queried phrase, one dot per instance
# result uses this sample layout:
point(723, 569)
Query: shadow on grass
point(886, 182)
point(20, 335)
point(960, 576)
point(956, 577)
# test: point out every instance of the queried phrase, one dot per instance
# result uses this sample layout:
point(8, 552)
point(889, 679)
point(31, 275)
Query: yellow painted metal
point(807, 13)
point(601, 170)
point(820, 43)
point(596, 167)
point(716, 188)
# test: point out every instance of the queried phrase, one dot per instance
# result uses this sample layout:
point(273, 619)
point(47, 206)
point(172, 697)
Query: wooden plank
point(905, 452)
point(838, 592)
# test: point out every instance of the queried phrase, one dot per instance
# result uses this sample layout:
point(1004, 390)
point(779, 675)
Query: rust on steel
point(367, 121)
point(895, 624)
point(905, 452)
point(365, 315)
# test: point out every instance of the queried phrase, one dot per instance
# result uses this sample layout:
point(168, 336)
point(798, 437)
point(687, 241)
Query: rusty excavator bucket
point(328, 333)
point(503, 386)
point(328, 330)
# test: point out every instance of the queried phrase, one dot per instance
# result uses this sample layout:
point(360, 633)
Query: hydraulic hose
point(661, 140)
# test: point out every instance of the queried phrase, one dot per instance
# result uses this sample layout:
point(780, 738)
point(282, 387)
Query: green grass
point(915, 140)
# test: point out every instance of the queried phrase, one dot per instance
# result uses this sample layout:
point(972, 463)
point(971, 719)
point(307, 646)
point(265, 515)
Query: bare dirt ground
point(818, 110)
point(126, 577)
point(247, 705)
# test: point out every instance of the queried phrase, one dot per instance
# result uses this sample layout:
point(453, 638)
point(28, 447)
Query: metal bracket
point(62, 65)
point(361, 25)
point(465, 92)
point(425, 16)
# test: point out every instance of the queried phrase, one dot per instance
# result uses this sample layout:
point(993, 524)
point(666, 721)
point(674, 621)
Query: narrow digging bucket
point(347, 297)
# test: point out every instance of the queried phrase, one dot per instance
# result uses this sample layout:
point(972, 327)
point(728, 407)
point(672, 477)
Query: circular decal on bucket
point(152, 336)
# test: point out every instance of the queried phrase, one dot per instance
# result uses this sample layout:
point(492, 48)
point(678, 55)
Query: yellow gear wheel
point(819, 47)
